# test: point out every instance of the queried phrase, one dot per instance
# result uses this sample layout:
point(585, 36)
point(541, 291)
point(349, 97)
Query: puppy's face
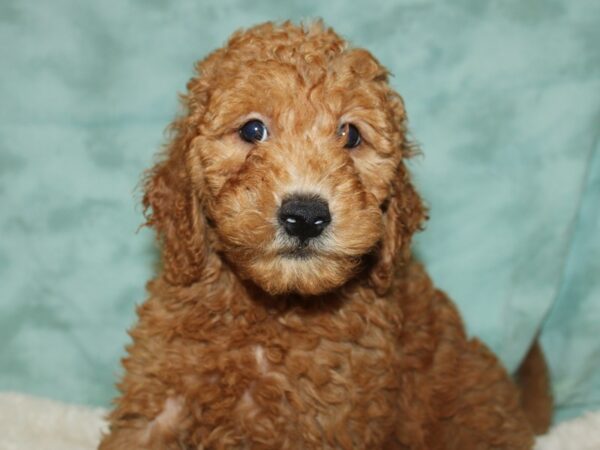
point(296, 145)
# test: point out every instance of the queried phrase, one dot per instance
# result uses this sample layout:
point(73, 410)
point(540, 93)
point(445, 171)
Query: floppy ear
point(404, 213)
point(172, 208)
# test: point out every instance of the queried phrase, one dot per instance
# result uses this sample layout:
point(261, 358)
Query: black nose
point(304, 216)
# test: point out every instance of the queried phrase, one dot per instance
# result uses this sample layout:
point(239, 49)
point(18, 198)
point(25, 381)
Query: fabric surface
point(34, 423)
point(503, 98)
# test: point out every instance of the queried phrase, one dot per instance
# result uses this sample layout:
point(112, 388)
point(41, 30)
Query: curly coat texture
point(243, 343)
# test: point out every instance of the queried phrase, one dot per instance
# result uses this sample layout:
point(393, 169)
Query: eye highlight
point(254, 131)
point(350, 134)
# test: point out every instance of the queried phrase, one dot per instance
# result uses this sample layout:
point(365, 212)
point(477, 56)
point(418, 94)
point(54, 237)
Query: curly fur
point(242, 346)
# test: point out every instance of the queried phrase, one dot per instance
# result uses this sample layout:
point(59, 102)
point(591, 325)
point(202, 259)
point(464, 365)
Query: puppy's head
point(288, 163)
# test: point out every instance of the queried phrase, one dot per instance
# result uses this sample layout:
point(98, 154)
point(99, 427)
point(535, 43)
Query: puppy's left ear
point(404, 212)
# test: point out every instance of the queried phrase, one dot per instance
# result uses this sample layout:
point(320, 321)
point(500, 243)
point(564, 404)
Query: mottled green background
point(503, 96)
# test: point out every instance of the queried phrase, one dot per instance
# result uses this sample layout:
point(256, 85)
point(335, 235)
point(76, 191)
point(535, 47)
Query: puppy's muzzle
point(304, 216)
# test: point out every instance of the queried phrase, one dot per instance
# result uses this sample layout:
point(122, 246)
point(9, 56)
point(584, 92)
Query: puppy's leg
point(161, 433)
point(463, 397)
point(534, 382)
point(132, 439)
point(477, 404)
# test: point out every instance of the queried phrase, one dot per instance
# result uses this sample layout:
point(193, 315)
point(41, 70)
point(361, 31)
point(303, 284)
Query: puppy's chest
point(323, 377)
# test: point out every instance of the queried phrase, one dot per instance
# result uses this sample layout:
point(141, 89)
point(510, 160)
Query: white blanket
point(31, 423)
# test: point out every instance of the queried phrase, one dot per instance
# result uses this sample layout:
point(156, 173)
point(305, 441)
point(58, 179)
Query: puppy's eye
point(350, 134)
point(254, 131)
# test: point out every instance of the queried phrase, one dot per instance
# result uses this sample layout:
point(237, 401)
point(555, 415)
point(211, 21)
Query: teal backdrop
point(503, 98)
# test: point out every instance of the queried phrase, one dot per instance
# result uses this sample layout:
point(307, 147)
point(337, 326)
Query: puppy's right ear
point(172, 207)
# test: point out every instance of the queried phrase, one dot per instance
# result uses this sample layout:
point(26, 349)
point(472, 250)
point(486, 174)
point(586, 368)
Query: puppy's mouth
point(299, 252)
point(293, 248)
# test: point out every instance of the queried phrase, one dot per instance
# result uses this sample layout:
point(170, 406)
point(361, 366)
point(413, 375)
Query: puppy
point(288, 313)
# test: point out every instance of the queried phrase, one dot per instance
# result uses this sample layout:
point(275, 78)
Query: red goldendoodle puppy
point(288, 313)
